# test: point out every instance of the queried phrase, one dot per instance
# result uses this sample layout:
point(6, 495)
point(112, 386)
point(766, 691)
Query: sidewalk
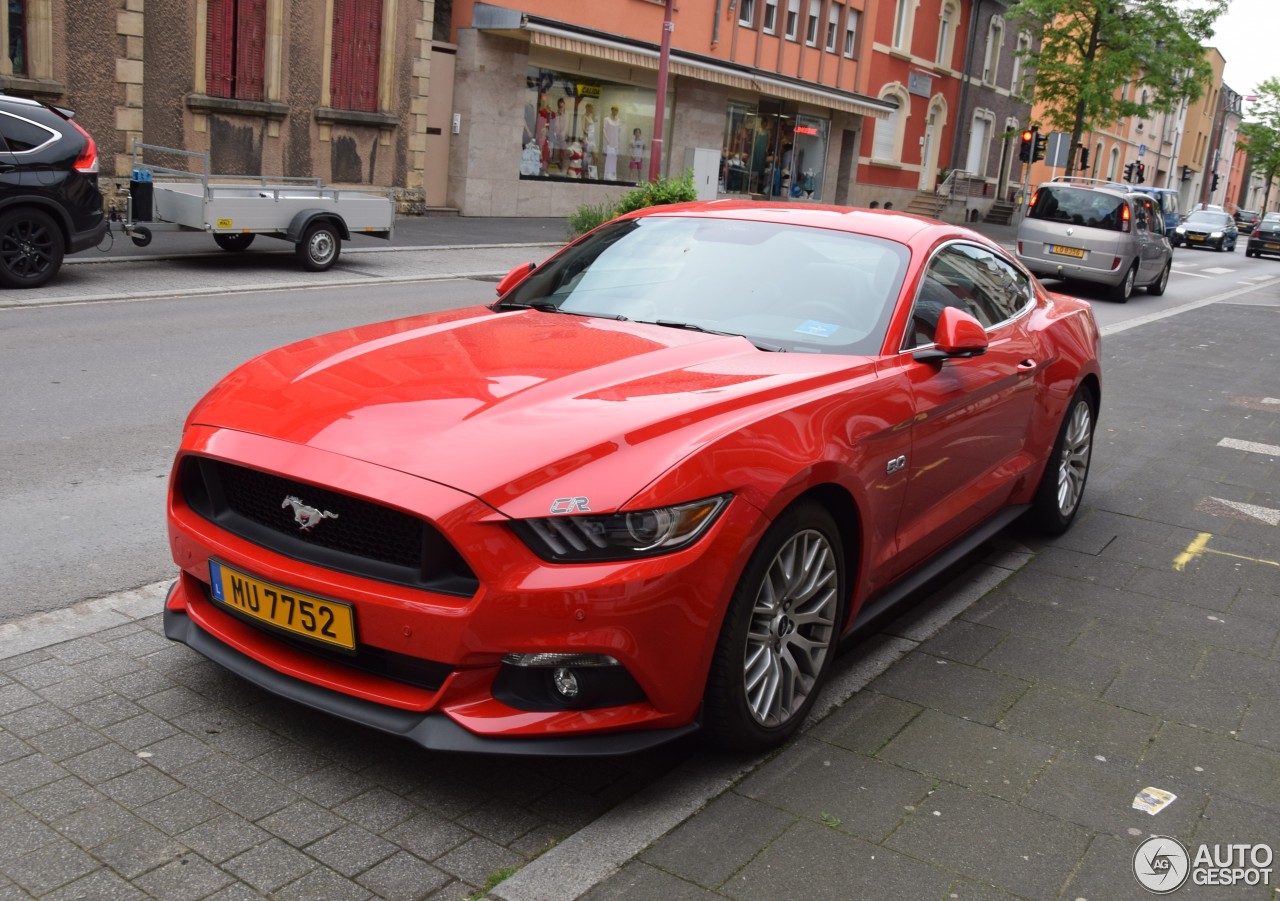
point(995, 755)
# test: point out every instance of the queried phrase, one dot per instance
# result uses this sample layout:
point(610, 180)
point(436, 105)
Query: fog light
point(565, 681)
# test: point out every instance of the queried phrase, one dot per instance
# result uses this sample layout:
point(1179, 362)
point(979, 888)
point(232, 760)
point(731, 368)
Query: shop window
point(833, 26)
point(357, 44)
point(770, 16)
point(811, 32)
point(851, 34)
point(235, 45)
point(579, 129)
point(746, 12)
point(793, 19)
point(769, 149)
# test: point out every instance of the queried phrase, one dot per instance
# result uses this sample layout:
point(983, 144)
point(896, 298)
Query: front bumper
point(658, 617)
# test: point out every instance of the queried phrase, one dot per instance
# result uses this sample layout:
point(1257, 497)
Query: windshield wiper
point(694, 327)
point(548, 307)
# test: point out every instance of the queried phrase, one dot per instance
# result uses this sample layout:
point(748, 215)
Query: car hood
point(516, 408)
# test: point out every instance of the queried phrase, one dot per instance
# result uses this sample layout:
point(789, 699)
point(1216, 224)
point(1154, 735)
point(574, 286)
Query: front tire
point(31, 248)
point(779, 634)
point(1061, 487)
point(319, 248)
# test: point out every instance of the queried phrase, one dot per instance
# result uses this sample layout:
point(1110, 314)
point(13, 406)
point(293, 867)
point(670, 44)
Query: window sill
point(266, 109)
point(330, 116)
point(39, 88)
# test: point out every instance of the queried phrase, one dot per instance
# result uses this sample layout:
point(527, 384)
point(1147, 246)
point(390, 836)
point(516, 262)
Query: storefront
point(577, 126)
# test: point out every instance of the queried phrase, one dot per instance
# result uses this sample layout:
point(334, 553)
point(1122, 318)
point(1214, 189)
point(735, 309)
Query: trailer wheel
point(140, 236)
point(320, 245)
point(234, 241)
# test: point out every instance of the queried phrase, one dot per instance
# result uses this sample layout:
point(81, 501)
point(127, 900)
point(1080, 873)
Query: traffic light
point(1024, 152)
point(1142, 172)
point(1041, 143)
point(1128, 171)
point(1186, 173)
point(1084, 158)
point(1214, 185)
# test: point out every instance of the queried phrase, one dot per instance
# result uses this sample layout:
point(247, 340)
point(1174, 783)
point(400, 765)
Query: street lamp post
point(664, 61)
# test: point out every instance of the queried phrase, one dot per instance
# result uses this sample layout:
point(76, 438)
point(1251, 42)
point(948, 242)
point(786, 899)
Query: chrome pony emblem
point(306, 517)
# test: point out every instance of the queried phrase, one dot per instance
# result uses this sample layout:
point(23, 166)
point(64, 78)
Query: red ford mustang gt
point(645, 492)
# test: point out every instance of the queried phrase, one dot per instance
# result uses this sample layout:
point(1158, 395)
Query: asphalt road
point(96, 394)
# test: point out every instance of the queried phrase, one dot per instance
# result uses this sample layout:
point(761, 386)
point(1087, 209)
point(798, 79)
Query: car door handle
point(1028, 365)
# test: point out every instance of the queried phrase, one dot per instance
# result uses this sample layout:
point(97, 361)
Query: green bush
point(662, 191)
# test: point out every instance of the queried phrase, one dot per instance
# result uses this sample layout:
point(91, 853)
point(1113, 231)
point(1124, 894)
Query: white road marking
point(1271, 400)
point(1217, 270)
point(1264, 514)
point(1253, 447)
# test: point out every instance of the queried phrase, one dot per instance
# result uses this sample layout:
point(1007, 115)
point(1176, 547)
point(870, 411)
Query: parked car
point(1246, 220)
point(50, 204)
point(1265, 238)
point(1209, 228)
point(1088, 230)
point(647, 491)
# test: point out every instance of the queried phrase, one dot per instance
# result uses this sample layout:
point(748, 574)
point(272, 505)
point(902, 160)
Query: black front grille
point(349, 534)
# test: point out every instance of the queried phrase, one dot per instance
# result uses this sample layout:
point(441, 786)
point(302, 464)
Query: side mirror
point(958, 335)
point(514, 277)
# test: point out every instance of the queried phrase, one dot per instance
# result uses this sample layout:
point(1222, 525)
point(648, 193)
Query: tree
point(1090, 49)
point(1261, 138)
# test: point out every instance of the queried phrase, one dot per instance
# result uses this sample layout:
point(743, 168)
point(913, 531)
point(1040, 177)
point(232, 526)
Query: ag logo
point(1161, 864)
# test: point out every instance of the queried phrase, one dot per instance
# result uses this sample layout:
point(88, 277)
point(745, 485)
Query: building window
point(235, 46)
point(851, 34)
point(902, 24)
point(811, 32)
point(1113, 164)
point(833, 26)
point(888, 134)
point(357, 43)
point(1019, 68)
point(946, 31)
point(585, 129)
point(18, 37)
point(793, 19)
point(770, 16)
point(1097, 157)
point(746, 12)
point(995, 39)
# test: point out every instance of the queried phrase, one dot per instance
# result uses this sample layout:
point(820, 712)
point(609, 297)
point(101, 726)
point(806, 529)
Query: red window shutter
point(220, 34)
point(357, 40)
point(340, 59)
point(251, 41)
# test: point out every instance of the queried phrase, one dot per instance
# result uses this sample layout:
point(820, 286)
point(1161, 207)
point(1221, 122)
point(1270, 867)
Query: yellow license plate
point(1195, 237)
point(1076, 252)
point(300, 614)
point(1272, 246)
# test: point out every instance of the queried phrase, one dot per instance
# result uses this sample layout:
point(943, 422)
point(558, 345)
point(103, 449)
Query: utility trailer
point(237, 208)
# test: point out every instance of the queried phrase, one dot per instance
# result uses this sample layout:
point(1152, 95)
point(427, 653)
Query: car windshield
point(1208, 217)
point(1078, 206)
point(783, 287)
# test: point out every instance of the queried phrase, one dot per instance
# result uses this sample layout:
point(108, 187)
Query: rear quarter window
point(1092, 209)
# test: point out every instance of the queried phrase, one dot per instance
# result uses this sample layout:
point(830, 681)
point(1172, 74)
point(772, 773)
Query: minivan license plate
point(1076, 252)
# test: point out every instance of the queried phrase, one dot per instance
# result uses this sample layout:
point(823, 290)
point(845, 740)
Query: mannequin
point(612, 137)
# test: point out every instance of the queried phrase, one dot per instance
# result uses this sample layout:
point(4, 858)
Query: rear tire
point(1121, 292)
point(1156, 288)
point(779, 634)
point(1061, 487)
point(319, 248)
point(234, 241)
point(31, 248)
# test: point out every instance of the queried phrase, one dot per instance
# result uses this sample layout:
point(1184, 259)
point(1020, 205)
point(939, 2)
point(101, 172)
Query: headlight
point(1181, 230)
point(619, 536)
point(1215, 235)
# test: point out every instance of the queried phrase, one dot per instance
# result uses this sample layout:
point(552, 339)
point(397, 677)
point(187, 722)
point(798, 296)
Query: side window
point(1141, 221)
point(22, 134)
point(969, 278)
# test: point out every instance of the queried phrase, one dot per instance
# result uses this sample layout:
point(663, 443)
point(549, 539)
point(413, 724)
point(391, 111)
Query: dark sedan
point(1209, 228)
point(1265, 237)
point(1247, 220)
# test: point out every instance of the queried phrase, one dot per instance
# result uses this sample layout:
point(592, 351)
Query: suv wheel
point(31, 248)
point(1120, 293)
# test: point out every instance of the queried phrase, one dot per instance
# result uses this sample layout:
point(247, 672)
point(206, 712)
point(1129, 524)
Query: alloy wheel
point(792, 628)
point(1073, 465)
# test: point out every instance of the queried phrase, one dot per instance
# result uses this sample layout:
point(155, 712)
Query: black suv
point(50, 204)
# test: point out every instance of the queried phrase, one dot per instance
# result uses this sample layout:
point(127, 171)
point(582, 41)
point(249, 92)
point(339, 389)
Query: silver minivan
point(1093, 231)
